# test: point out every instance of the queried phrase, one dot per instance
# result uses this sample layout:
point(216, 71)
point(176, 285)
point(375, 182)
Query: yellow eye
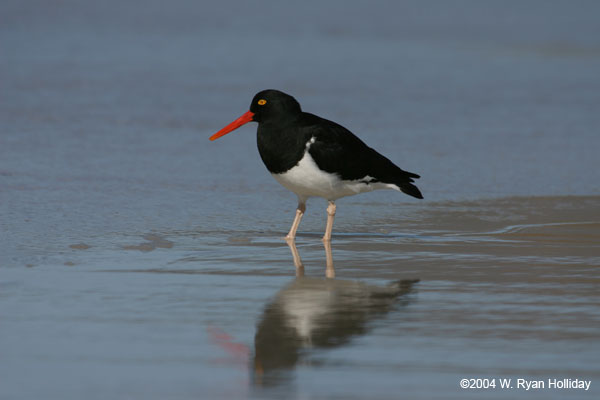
point(262, 102)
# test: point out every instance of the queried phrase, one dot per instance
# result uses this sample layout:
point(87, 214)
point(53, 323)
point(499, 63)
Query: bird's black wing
point(337, 150)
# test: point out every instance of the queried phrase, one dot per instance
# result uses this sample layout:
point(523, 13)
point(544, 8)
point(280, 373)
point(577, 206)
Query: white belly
point(307, 180)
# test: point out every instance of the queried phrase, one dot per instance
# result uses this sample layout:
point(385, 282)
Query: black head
point(272, 104)
point(268, 105)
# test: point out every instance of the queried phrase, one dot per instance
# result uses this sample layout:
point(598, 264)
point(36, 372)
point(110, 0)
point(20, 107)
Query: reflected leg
point(329, 271)
point(297, 260)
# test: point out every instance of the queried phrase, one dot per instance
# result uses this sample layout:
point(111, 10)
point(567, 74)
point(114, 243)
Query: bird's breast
point(279, 149)
point(306, 179)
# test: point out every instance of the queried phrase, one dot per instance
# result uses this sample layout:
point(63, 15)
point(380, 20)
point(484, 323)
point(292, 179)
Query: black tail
point(411, 190)
point(404, 182)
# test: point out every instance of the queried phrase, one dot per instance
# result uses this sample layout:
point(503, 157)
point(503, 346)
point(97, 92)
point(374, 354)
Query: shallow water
point(140, 260)
point(200, 313)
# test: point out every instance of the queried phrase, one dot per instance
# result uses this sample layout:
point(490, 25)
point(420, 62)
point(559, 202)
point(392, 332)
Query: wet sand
point(415, 306)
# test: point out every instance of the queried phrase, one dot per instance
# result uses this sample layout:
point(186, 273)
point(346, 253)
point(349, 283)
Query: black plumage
point(284, 130)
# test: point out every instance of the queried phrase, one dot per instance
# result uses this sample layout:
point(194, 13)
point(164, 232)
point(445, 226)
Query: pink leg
point(299, 213)
point(330, 216)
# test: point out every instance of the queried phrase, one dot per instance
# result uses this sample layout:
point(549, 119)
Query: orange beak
point(244, 119)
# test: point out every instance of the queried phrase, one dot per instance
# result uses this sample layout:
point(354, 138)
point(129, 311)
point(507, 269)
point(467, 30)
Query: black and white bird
point(314, 157)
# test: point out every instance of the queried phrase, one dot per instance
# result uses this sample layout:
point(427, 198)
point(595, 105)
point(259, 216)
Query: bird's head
point(273, 104)
point(267, 105)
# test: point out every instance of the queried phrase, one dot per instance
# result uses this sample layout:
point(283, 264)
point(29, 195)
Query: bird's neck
point(281, 145)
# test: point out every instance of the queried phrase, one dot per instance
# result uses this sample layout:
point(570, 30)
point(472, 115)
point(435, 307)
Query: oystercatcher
point(312, 156)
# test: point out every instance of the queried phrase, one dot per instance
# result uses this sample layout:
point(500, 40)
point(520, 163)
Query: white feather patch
point(307, 180)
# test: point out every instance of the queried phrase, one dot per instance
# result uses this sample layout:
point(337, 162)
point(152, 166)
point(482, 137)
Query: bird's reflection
point(316, 313)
